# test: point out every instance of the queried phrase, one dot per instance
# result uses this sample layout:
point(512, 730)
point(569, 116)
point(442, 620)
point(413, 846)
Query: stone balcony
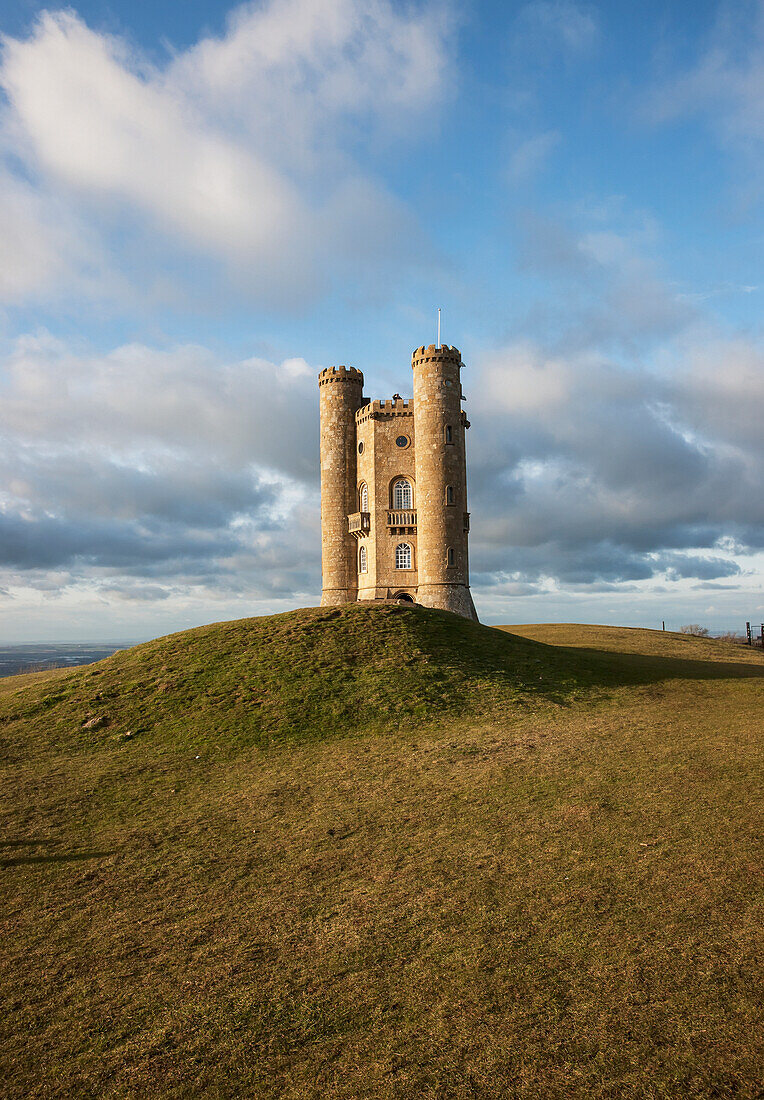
point(359, 524)
point(404, 520)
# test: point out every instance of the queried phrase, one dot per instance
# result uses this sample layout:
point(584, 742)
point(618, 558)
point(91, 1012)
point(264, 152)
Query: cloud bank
point(168, 466)
point(180, 472)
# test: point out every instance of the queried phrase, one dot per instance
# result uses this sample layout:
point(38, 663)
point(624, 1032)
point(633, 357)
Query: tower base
point(333, 597)
point(448, 597)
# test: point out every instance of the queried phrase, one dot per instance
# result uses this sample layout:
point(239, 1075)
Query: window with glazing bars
point(403, 556)
point(403, 496)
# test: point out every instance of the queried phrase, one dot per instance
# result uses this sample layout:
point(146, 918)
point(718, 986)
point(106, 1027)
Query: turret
point(441, 481)
point(340, 396)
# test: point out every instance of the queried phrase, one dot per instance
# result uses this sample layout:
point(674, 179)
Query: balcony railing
point(406, 518)
point(359, 523)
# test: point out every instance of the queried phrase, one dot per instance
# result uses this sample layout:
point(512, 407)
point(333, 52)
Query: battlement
point(432, 352)
point(340, 374)
point(373, 409)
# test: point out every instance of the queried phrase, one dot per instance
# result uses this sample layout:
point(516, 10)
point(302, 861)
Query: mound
point(547, 897)
point(304, 674)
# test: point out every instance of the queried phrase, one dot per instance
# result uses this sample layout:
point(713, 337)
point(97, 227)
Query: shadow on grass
point(48, 857)
point(610, 668)
point(64, 857)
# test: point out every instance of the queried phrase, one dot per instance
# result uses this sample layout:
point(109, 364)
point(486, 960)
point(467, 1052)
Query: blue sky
point(204, 204)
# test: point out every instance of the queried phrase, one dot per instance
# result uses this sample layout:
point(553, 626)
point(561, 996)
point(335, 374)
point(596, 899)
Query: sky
point(202, 205)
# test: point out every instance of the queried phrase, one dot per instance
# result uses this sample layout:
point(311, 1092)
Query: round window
point(360, 448)
point(402, 441)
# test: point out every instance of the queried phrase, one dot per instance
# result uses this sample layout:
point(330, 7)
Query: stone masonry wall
point(340, 396)
point(440, 469)
point(379, 424)
point(358, 445)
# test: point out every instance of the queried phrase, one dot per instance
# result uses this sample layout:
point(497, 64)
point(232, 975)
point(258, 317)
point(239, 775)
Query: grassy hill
point(307, 674)
point(384, 852)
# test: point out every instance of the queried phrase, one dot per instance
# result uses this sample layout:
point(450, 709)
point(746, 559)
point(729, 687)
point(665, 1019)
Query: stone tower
point(394, 519)
point(340, 395)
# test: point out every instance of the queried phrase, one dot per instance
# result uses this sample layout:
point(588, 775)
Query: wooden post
point(748, 634)
point(664, 624)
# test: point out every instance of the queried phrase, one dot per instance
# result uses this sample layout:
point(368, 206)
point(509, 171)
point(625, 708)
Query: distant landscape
point(38, 658)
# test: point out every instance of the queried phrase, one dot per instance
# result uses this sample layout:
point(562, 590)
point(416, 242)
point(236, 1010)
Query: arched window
point(449, 494)
point(362, 559)
point(403, 556)
point(449, 434)
point(451, 556)
point(403, 494)
point(363, 497)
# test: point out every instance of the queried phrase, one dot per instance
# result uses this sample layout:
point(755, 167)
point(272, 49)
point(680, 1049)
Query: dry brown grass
point(559, 899)
point(650, 643)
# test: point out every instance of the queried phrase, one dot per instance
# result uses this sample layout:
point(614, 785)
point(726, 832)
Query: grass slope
point(523, 869)
point(306, 674)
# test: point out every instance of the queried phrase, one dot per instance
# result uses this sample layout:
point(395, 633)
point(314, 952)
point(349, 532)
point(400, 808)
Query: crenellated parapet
point(340, 374)
point(432, 352)
point(374, 410)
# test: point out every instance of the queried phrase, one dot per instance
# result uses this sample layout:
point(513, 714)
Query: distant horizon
point(202, 205)
point(140, 640)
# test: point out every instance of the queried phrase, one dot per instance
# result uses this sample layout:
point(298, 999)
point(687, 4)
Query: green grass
point(308, 674)
point(382, 852)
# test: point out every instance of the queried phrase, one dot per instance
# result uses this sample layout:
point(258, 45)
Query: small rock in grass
point(95, 723)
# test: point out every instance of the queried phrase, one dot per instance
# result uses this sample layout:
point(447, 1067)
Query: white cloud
point(138, 400)
point(141, 468)
point(608, 289)
point(725, 84)
point(720, 390)
point(530, 156)
point(290, 71)
point(588, 471)
point(240, 149)
point(559, 24)
point(43, 246)
point(95, 125)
